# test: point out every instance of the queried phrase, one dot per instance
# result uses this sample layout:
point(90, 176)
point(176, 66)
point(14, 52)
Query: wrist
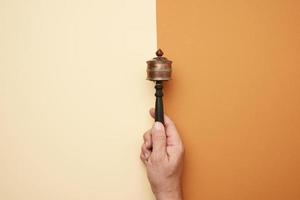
point(169, 195)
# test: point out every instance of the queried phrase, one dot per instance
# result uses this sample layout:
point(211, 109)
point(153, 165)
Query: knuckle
point(181, 149)
point(173, 123)
point(156, 159)
point(144, 149)
point(159, 135)
point(144, 136)
point(147, 133)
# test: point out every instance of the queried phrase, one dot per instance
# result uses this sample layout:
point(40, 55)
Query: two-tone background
point(74, 100)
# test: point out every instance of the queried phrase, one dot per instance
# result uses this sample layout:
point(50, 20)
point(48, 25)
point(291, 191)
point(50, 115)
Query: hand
point(162, 154)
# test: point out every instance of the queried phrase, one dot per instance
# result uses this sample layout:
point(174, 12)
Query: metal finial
point(159, 53)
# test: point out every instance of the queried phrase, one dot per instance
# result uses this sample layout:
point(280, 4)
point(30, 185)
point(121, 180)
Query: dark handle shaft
point(159, 107)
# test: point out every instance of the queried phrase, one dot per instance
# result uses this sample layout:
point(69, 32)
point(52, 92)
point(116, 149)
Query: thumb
point(159, 140)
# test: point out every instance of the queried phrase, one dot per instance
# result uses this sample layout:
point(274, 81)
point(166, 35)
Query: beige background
point(74, 99)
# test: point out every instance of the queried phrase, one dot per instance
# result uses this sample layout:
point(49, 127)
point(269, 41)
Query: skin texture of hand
point(162, 153)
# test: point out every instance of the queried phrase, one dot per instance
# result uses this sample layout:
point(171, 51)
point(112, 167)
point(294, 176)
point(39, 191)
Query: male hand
point(162, 154)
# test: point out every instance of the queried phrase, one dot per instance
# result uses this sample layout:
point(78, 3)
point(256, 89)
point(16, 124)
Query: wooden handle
point(159, 107)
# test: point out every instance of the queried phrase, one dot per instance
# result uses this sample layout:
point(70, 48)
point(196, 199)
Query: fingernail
point(146, 155)
point(158, 126)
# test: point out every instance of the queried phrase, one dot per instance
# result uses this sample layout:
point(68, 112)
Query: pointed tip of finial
point(159, 53)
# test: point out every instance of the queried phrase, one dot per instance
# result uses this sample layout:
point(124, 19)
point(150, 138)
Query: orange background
point(235, 95)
